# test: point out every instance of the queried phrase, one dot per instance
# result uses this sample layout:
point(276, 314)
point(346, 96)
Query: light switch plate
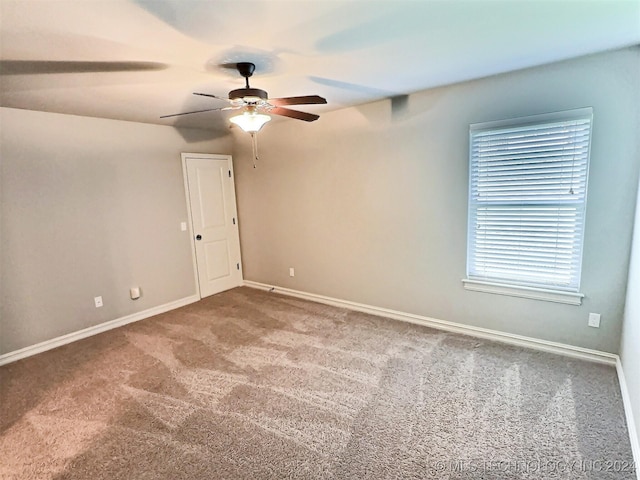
point(594, 320)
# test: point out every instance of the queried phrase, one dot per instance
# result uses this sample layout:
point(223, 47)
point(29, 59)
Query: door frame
point(208, 156)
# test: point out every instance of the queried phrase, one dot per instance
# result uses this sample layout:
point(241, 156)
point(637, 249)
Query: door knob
point(198, 237)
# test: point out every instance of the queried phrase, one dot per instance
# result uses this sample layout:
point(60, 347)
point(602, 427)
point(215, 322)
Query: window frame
point(499, 286)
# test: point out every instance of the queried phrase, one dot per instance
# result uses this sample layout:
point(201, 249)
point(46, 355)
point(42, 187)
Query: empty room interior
point(351, 239)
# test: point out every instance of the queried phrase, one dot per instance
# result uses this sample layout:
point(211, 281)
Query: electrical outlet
point(183, 226)
point(594, 320)
point(292, 272)
point(98, 301)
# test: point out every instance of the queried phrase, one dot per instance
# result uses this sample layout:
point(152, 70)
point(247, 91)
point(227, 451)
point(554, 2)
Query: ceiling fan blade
point(212, 96)
point(27, 67)
point(305, 100)
point(287, 112)
point(198, 111)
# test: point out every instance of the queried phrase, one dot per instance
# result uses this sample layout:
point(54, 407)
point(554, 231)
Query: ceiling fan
point(257, 104)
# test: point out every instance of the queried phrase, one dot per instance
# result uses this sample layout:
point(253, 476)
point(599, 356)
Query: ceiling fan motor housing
point(248, 94)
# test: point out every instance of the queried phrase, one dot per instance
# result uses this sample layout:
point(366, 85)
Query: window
point(527, 198)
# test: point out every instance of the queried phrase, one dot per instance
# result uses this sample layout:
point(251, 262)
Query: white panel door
point(214, 221)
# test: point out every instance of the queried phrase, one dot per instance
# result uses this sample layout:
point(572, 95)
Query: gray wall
point(630, 348)
point(369, 204)
point(90, 207)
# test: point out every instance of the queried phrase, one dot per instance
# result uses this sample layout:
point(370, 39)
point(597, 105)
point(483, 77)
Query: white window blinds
point(528, 187)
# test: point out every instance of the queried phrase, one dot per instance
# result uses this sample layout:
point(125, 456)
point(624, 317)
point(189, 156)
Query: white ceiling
point(350, 52)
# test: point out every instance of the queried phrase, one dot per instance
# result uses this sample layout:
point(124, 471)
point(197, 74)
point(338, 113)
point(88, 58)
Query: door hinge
point(238, 265)
point(229, 173)
point(234, 220)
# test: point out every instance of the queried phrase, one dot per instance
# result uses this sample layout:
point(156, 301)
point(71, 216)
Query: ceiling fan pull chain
point(254, 147)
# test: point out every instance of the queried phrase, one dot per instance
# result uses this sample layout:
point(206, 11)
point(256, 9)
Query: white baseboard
point(504, 337)
point(88, 332)
point(631, 425)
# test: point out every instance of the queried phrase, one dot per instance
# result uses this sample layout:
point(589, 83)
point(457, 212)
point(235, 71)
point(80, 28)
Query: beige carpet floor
point(253, 385)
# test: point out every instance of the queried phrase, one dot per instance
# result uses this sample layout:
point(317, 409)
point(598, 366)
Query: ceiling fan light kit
point(250, 121)
point(257, 105)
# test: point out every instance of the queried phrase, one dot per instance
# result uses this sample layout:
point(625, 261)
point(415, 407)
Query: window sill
point(556, 296)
